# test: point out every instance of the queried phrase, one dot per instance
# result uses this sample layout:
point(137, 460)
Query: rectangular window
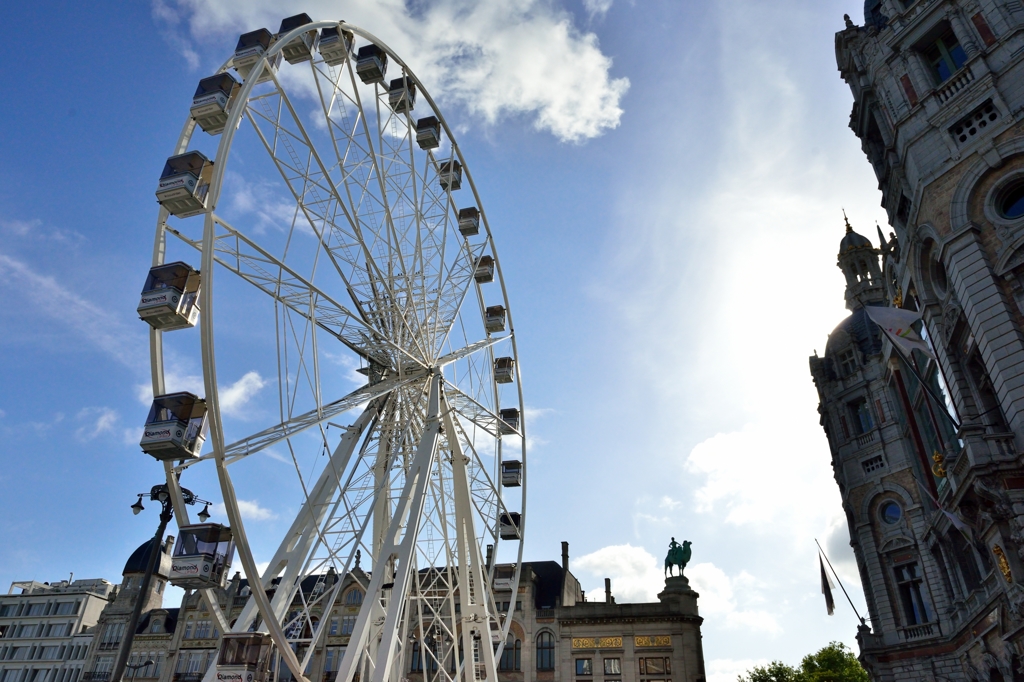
point(333, 630)
point(48, 653)
point(332, 660)
point(945, 55)
point(202, 630)
point(612, 666)
point(847, 362)
point(860, 416)
point(188, 631)
point(519, 606)
point(909, 581)
point(655, 666)
point(104, 664)
point(36, 610)
point(584, 666)
point(7, 610)
point(347, 624)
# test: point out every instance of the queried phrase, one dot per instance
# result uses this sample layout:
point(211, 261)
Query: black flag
point(826, 588)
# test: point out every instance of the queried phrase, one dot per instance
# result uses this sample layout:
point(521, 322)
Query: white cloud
point(95, 422)
point(233, 397)
point(237, 395)
point(91, 322)
point(597, 8)
point(35, 230)
point(173, 383)
point(249, 509)
point(729, 601)
point(634, 573)
point(744, 471)
point(497, 59)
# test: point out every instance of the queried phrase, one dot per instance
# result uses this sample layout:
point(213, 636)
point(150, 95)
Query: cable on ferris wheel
point(367, 252)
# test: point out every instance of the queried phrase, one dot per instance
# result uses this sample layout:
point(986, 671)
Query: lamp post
point(158, 493)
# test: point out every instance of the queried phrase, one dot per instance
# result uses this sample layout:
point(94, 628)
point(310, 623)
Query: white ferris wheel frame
point(438, 419)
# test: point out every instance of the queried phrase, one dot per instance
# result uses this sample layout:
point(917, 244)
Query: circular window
point(1011, 201)
point(891, 513)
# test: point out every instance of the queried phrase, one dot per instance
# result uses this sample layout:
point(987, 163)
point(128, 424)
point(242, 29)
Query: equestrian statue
point(678, 555)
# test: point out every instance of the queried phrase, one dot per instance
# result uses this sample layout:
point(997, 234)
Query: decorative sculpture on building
point(678, 555)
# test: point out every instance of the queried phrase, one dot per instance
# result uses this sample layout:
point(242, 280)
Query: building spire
point(849, 228)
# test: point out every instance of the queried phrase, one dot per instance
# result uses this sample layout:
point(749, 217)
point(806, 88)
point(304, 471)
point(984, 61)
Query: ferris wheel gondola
point(377, 252)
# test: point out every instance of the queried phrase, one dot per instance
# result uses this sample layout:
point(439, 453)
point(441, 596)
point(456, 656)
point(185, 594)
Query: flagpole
point(839, 581)
point(912, 366)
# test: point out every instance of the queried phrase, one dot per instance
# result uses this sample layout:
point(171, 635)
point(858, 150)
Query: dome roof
point(852, 240)
point(139, 559)
point(858, 327)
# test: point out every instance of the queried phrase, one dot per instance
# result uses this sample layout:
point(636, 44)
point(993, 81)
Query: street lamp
point(158, 493)
point(135, 668)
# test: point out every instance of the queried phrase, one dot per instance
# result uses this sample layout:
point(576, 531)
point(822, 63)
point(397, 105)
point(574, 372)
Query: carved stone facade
point(936, 506)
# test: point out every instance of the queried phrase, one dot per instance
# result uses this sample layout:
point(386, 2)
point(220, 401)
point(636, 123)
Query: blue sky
point(666, 200)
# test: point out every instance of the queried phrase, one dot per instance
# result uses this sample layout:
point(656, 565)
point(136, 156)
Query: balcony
point(915, 632)
point(957, 82)
point(866, 439)
point(109, 646)
point(1001, 445)
point(187, 677)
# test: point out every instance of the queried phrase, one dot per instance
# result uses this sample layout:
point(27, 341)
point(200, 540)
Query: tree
point(834, 663)
point(776, 671)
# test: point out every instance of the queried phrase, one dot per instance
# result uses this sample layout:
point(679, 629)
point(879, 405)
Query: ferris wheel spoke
point(242, 256)
point(360, 171)
point(318, 195)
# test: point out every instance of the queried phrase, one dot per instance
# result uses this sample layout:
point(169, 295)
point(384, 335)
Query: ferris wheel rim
point(207, 329)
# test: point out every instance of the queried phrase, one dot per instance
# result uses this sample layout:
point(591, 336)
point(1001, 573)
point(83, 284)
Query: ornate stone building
point(936, 505)
point(110, 628)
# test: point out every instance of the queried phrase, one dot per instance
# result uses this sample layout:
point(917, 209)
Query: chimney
point(565, 556)
point(608, 599)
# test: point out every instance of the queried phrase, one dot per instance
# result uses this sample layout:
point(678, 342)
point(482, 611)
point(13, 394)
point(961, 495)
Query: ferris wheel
point(339, 234)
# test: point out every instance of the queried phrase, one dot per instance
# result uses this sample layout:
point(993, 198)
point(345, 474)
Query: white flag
point(896, 323)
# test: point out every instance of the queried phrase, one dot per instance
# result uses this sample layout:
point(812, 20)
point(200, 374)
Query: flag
point(954, 519)
point(826, 588)
point(896, 323)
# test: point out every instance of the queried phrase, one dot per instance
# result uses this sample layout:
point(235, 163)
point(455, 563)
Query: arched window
point(545, 651)
point(511, 655)
point(355, 597)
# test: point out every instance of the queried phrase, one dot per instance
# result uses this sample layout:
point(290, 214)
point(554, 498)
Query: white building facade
point(46, 629)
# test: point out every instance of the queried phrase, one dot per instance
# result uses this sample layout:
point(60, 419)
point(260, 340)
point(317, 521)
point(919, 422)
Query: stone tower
point(110, 628)
point(936, 505)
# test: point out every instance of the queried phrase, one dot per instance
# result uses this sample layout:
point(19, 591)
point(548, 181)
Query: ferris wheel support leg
point(302, 535)
point(472, 595)
point(407, 516)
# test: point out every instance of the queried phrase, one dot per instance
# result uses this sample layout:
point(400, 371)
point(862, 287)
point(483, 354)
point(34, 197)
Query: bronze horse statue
point(678, 555)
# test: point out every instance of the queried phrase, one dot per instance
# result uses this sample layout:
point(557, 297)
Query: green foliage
point(776, 671)
point(834, 663)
